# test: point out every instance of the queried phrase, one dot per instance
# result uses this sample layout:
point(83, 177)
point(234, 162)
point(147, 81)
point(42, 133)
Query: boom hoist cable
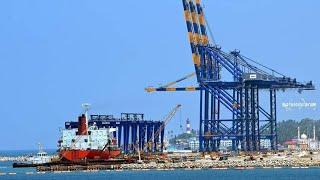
point(179, 80)
point(168, 87)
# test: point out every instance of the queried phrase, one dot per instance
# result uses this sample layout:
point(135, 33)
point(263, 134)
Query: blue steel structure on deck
point(248, 121)
point(132, 130)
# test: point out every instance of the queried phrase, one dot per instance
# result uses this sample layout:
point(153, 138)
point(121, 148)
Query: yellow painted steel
point(202, 20)
point(200, 16)
point(187, 15)
point(149, 90)
point(194, 16)
point(171, 89)
point(190, 88)
point(196, 38)
point(204, 40)
point(196, 59)
point(191, 38)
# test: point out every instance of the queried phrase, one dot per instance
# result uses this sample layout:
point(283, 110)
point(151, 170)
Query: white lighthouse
point(188, 128)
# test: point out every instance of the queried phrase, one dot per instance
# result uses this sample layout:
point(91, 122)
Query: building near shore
point(225, 144)
point(303, 143)
point(194, 144)
point(265, 144)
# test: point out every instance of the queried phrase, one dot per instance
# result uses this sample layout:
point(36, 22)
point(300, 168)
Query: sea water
point(9, 173)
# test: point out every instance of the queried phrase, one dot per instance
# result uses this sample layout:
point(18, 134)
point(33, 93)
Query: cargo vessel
point(87, 142)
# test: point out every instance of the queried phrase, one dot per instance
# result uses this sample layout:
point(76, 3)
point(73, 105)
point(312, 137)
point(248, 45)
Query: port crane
point(231, 83)
point(155, 142)
point(165, 121)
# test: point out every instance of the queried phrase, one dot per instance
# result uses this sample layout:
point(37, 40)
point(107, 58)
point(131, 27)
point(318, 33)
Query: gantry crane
point(245, 121)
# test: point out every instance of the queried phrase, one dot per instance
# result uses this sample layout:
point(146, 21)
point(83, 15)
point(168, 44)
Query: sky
point(56, 55)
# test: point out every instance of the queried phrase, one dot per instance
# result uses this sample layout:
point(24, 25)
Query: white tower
point(188, 129)
point(298, 132)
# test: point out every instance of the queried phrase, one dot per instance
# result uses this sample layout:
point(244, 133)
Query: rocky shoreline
point(192, 161)
point(205, 164)
point(200, 164)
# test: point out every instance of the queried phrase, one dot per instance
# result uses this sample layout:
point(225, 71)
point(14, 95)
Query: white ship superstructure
point(95, 138)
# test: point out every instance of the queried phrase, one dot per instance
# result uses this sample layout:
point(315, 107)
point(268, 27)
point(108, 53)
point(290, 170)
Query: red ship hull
point(76, 155)
point(96, 154)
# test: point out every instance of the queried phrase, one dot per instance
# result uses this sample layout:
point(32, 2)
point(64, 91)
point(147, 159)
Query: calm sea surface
point(273, 174)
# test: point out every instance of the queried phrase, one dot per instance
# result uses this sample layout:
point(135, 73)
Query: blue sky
point(55, 55)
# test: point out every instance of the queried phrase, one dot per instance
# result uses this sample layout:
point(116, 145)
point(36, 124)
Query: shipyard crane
point(165, 121)
point(156, 136)
point(247, 121)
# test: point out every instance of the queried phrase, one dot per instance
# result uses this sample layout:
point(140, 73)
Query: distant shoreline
point(14, 159)
point(17, 153)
